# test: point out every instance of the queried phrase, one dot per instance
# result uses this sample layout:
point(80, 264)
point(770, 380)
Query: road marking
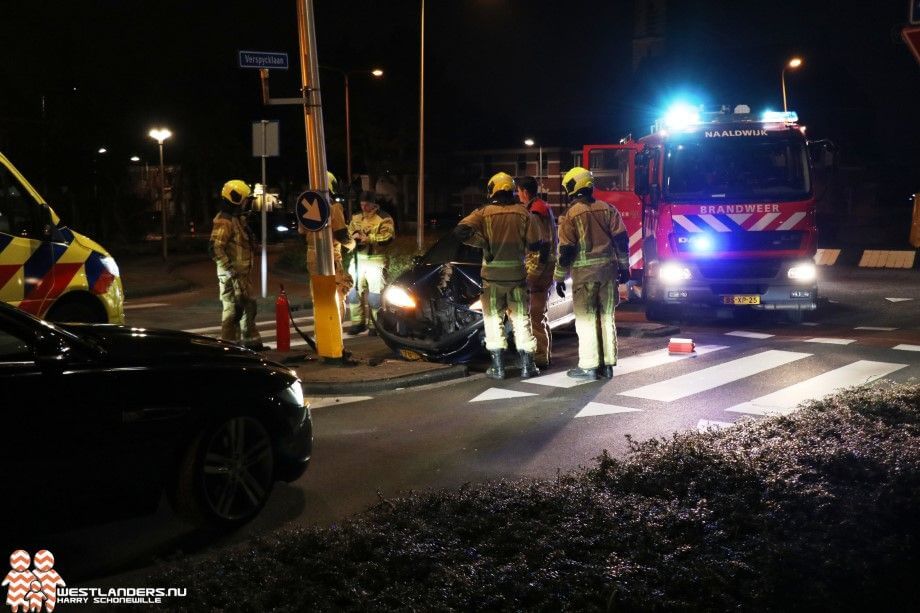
point(745, 334)
point(715, 376)
point(625, 366)
point(556, 379)
point(599, 408)
point(705, 425)
point(830, 341)
point(330, 401)
point(898, 299)
point(787, 399)
point(826, 257)
point(497, 393)
point(809, 323)
point(877, 328)
point(904, 347)
point(145, 305)
point(270, 322)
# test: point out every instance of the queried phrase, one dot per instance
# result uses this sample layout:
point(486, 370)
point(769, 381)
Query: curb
point(647, 330)
point(457, 371)
point(175, 287)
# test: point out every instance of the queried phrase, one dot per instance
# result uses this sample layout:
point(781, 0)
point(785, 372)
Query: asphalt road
point(477, 429)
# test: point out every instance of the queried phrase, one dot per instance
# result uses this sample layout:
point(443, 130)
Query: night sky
point(497, 71)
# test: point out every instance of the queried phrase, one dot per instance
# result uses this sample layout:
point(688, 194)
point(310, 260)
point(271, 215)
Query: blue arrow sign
point(264, 59)
point(312, 211)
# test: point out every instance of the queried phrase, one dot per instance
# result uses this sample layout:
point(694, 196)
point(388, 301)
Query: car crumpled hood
point(125, 345)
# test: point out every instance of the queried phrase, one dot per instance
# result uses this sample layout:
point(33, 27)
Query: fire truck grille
point(740, 269)
point(786, 240)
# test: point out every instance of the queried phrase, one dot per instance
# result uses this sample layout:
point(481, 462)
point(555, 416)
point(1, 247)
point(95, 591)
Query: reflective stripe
point(591, 262)
point(503, 263)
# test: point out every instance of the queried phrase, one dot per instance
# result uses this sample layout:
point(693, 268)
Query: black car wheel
point(227, 474)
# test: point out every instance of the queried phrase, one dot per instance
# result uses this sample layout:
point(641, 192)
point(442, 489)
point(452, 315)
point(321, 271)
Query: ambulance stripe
point(787, 399)
point(713, 222)
point(764, 221)
point(715, 376)
point(50, 287)
point(7, 272)
point(5, 239)
point(792, 221)
point(685, 223)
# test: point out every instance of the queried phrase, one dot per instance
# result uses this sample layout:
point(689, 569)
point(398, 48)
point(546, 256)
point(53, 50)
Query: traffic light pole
point(327, 319)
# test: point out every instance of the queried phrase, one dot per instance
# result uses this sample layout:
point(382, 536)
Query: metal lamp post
point(160, 135)
point(530, 143)
point(793, 64)
point(420, 213)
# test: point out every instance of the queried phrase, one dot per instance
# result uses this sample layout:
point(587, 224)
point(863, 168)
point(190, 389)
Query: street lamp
point(530, 143)
point(160, 135)
point(793, 64)
point(377, 73)
point(102, 150)
point(420, 209)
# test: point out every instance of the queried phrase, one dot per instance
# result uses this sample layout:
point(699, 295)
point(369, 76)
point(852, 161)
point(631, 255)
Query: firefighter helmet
point(333, 182)
point(500, 182)
point(576, 180)
point(235, 192)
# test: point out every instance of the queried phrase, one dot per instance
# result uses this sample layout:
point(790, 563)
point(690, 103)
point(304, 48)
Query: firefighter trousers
point(594, 322)
point(539, 286)
point(370, 274)
point(511, 298)
point(238, 318)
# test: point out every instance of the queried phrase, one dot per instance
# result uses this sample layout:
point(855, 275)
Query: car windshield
point(772, 168)
point(450, 249)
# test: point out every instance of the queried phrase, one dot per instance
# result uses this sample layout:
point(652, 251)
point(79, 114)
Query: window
point(19, 213)
point(13, 348)
point(611, 169)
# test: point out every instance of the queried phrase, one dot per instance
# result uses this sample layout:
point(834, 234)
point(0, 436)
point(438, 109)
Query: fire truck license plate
point(755, 299)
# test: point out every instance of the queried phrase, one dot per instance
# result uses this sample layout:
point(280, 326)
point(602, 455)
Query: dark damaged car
point(433, 311)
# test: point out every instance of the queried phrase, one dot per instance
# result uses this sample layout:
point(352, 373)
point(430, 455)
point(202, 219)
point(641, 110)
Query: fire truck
point(720, 210)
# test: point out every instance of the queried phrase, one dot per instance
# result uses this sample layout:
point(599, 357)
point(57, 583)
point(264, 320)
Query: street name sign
point(312, 211)
point(264, 59)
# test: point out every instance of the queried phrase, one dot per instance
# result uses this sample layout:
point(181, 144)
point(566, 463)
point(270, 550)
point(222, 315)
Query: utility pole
point(327, 319)
point(420, 213)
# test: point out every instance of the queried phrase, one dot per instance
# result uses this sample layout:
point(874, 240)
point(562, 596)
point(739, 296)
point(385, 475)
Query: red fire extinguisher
point(282, 319)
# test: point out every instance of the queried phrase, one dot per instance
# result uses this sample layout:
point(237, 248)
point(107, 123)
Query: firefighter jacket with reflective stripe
point(540, 261)
point(588, 237)
point(378, 227)
point(231, 244)
point(506, 232)
point(340, 235)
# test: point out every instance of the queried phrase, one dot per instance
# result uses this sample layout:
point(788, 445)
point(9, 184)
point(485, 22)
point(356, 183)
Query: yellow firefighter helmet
point(500, 182)
point(576, 180)
point(235, 192)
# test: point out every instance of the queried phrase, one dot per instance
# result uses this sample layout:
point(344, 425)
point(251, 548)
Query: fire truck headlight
point(398, 297)
point(803, 272)
point(673, 273)
point(701, 242)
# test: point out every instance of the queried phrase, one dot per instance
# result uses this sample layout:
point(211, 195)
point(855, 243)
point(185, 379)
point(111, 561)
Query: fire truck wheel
point(795, 317)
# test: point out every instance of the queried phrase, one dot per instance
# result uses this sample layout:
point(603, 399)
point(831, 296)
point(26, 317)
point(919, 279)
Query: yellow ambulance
point(46, 268)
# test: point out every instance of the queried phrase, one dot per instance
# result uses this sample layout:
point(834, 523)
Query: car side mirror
point(823, 154)
point(50, 230)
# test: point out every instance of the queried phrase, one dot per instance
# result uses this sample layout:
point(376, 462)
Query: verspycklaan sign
point(273, 60)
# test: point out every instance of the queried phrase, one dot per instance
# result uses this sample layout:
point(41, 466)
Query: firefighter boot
point(528, 368)
point(497, 369)
point(605, 371)
point(582, 374)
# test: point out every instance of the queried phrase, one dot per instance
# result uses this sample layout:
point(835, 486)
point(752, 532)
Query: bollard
point(282, 322)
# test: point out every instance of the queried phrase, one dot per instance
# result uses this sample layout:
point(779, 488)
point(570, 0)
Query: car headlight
point(281, 228)
point(673, 273)
point(476, 306)
point(293, 394)
point(110, 265)
point(398, 297)
point(803, 272)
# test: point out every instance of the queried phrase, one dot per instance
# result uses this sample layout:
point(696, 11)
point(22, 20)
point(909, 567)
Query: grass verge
point(814, 511)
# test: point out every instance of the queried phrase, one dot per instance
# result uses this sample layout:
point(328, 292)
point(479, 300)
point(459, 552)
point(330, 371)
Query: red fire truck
point(720, 210)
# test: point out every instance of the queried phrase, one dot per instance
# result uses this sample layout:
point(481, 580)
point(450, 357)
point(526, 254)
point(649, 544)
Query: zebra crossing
point(718, 369)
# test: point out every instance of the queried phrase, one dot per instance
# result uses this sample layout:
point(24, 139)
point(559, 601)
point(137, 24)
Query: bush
point(815, 511)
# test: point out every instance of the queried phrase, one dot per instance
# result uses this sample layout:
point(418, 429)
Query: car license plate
point(743, 299)
point(410, 355)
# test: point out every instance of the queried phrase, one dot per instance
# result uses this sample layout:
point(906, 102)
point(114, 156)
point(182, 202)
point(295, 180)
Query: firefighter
point(593, 249)
point(340, 239)
point(539, 267)
point(506, 232)
point(372, 229)
point(231, 248)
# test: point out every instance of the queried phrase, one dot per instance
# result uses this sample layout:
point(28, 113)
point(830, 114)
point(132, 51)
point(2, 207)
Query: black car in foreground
point(432, 311)
point(98, 421)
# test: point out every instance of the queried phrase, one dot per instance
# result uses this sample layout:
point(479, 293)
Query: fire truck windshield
point(771, 168)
